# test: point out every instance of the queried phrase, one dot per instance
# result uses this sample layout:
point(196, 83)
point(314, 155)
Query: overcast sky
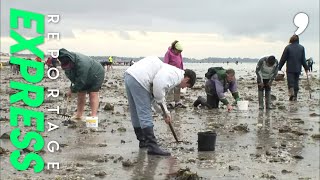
point(206, 28)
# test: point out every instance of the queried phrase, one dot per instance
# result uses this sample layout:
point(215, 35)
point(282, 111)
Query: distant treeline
point(185, 59)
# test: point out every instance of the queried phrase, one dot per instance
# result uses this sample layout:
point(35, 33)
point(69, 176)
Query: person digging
point(86, 76)
point(266, 70)
point(219, 81)
point(147, 82)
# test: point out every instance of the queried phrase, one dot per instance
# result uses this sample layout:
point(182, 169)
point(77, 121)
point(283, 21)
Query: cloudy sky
point(206, 28)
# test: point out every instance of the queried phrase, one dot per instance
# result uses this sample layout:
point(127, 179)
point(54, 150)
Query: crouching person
point(217, 84)
point(86, 76)
point(146, 81)
point(266, 70)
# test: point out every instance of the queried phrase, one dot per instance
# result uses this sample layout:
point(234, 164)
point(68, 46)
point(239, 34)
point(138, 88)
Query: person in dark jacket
point(310, 63)
point(216, 86)
point(294, 56)
point(86, 76)
point(266, 70)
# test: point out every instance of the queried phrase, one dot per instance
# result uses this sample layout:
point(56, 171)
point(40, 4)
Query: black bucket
point(206, 141)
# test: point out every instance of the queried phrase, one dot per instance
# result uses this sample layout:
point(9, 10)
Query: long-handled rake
point(309, 87)
point(170, 125)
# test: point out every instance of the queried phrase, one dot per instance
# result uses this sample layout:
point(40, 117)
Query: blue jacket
point(294, 55)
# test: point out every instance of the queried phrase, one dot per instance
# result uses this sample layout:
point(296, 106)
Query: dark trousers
point(293, 81)
point(52, 71)
point(265, 86)
point(213, 99)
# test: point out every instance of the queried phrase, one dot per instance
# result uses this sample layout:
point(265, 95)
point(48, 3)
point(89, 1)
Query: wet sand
point(279, 144)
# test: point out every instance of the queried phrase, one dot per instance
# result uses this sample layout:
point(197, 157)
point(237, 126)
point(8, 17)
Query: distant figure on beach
point(294, 56)
point(51, 63)
point(237, 62)
point(11, 66)
point(109, 63)
point(266, 70)
point(15, 68)
point(146, 83)
point(310, 63)
point(54, 62)
point(86, 76)
point(48, 62)
point(218, 82)
point(173, 57)
point(131, 62)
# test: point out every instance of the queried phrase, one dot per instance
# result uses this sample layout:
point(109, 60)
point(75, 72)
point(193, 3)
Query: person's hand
point(229, 107)
point(269, 84)
point(261, 84)
point(167, 118)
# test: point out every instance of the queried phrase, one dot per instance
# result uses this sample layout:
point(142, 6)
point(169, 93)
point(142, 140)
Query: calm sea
point(242, 69)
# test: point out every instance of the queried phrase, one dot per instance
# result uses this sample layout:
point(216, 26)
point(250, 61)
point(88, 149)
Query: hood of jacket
point(63, 53)
point(172, 53)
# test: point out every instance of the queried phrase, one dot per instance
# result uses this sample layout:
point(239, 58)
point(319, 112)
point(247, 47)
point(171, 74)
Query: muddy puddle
point(282, 143)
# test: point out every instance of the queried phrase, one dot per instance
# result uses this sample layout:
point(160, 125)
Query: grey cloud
point(271, 19)
point(124, 35)
point(61, 27)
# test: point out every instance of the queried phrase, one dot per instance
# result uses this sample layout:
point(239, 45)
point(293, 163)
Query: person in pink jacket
point(173, 57)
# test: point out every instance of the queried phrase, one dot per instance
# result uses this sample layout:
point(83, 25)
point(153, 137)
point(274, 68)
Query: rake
point(309, 87)
point(65, 115)
point(170, 125)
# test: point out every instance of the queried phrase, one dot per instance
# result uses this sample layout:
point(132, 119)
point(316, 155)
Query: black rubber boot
point(141, 137)
point(153, 147)
point(203, 101)
point(260, 96)
point(291, 94)
point(197, 102)
point(295, 95)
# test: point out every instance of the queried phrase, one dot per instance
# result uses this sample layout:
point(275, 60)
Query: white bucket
point(92, 122)
point(243, 105)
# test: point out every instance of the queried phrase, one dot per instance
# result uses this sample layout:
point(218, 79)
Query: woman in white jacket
point(147, 81)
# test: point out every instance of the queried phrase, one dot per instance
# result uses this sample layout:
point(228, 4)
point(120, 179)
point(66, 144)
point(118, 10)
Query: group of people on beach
point(149, 81)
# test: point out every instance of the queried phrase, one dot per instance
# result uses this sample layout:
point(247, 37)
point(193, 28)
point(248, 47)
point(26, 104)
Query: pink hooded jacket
point(173, 59)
